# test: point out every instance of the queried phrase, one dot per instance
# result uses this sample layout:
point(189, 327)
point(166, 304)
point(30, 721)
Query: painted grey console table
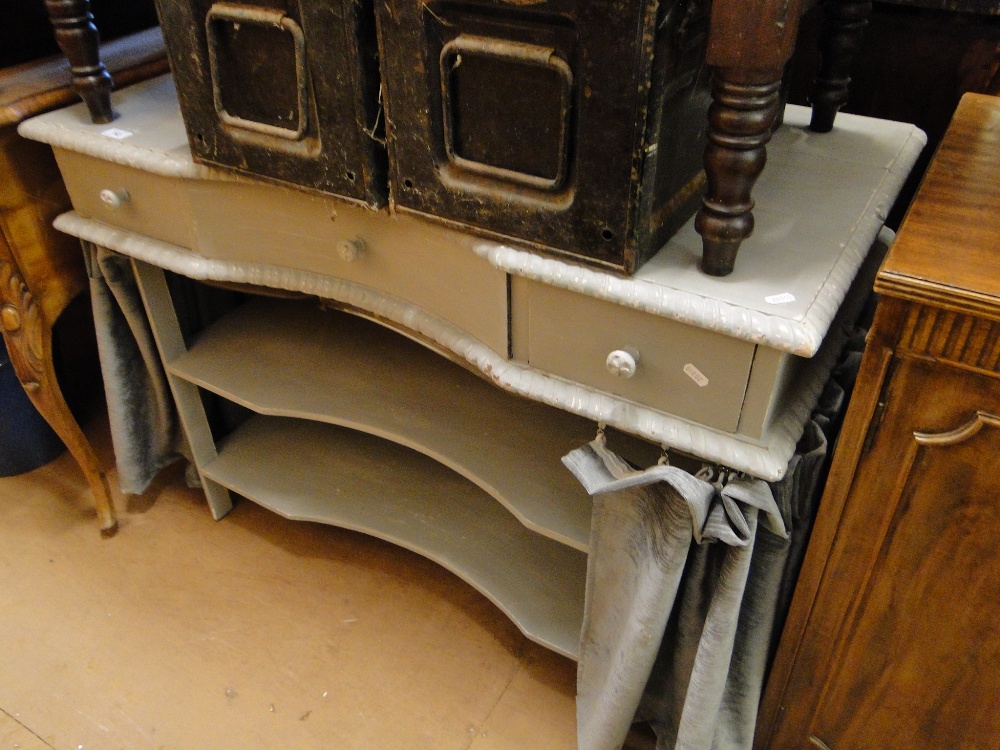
point(507, 359)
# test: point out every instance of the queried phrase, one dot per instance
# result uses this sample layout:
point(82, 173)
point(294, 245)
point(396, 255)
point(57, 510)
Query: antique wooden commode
point(723, 369)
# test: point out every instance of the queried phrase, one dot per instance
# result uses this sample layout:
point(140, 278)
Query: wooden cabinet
point(894, 633)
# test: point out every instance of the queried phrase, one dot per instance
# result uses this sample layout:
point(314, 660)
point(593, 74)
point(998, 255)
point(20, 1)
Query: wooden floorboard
point(251, 632)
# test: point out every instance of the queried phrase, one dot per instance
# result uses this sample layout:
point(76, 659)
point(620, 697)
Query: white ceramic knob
point(114, 198)
point(350, 250)
point(622, 363)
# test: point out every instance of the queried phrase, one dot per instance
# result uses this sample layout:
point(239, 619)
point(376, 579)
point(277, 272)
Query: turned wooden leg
point(29, 342)
point(740, 122)
point(78, 39)
point(844, 22)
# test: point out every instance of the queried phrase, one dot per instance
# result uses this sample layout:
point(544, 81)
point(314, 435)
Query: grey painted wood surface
point(311, 471)
point(291, 358)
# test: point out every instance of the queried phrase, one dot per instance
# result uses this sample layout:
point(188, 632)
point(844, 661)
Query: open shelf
point(291, 358)
point(306, 470)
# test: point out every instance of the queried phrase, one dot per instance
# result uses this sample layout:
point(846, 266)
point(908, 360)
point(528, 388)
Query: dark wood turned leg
point(844, 22)
point(740, 122)
point(78, 39)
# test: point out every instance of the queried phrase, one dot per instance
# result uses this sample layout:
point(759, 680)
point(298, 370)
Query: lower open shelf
point(290, 358)
point(312, 471)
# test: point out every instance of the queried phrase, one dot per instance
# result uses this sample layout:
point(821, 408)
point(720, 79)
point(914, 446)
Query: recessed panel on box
point(574, 127)
point(284, 90)
point(236, 36)
point(522, 145)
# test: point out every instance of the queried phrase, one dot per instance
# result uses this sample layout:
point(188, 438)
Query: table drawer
point(432, 267)
point(142, 202)
point(680, 369)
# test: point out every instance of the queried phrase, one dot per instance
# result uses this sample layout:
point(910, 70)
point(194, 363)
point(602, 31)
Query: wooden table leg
point(29, 342)
point(748, 47)
point(78, 39)
point(844, 22)
point(744, 108)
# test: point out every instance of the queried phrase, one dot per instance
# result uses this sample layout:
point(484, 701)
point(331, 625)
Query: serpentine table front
point(725, 370)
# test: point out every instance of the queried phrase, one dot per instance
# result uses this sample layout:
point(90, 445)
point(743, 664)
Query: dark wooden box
point(282, 89)
point(576, 127)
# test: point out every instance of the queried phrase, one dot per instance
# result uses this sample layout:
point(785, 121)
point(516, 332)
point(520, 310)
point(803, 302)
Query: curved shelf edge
point(414, 503)
point(577, 542)
point(767, 461)
point(333, 367)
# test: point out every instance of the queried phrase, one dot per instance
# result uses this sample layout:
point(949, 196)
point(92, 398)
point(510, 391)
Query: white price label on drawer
point(117, 133)
point(695, 374)
point(780, 299)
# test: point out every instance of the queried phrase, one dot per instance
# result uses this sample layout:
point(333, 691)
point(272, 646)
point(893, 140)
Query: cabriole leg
point(29, 341)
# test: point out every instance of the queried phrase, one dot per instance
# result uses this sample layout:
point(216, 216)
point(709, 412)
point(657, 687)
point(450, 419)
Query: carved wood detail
point(960, 434)
point(22, 327)
point(958, 338)
point(29, 342)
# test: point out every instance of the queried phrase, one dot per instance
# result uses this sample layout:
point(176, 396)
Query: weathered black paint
point(573, 126)
point(252, 103)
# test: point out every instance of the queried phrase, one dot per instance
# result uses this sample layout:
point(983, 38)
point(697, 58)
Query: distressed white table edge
point(654, 290)
point(767, 460)
point(669, 285)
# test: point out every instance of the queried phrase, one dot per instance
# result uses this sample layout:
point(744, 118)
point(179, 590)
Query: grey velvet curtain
point(688, 582)
point(145, 431)
point(143, 421)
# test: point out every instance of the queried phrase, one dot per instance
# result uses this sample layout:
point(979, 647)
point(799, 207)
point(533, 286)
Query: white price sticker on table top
point(117, 133)
point(780, 299)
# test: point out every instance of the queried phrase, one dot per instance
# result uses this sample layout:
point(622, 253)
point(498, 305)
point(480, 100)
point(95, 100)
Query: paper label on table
point(695, 374)
point(780, 299)
point(117, 133)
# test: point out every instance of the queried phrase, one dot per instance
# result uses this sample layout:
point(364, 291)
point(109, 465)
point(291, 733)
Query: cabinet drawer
point(429, 266)
point(142, 202)
point(679, 369)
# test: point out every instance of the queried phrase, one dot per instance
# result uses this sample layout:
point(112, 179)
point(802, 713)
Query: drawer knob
point(350, 250)
point(622, 363)
point(114, 198)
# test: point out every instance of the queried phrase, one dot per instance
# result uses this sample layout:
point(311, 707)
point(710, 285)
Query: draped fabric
point(689, 579)
point(140, 408)
point(145, 431)
point(665, 545)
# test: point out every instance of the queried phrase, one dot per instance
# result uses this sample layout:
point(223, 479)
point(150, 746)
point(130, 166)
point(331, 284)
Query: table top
point(955, 214)
point(820, 204)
